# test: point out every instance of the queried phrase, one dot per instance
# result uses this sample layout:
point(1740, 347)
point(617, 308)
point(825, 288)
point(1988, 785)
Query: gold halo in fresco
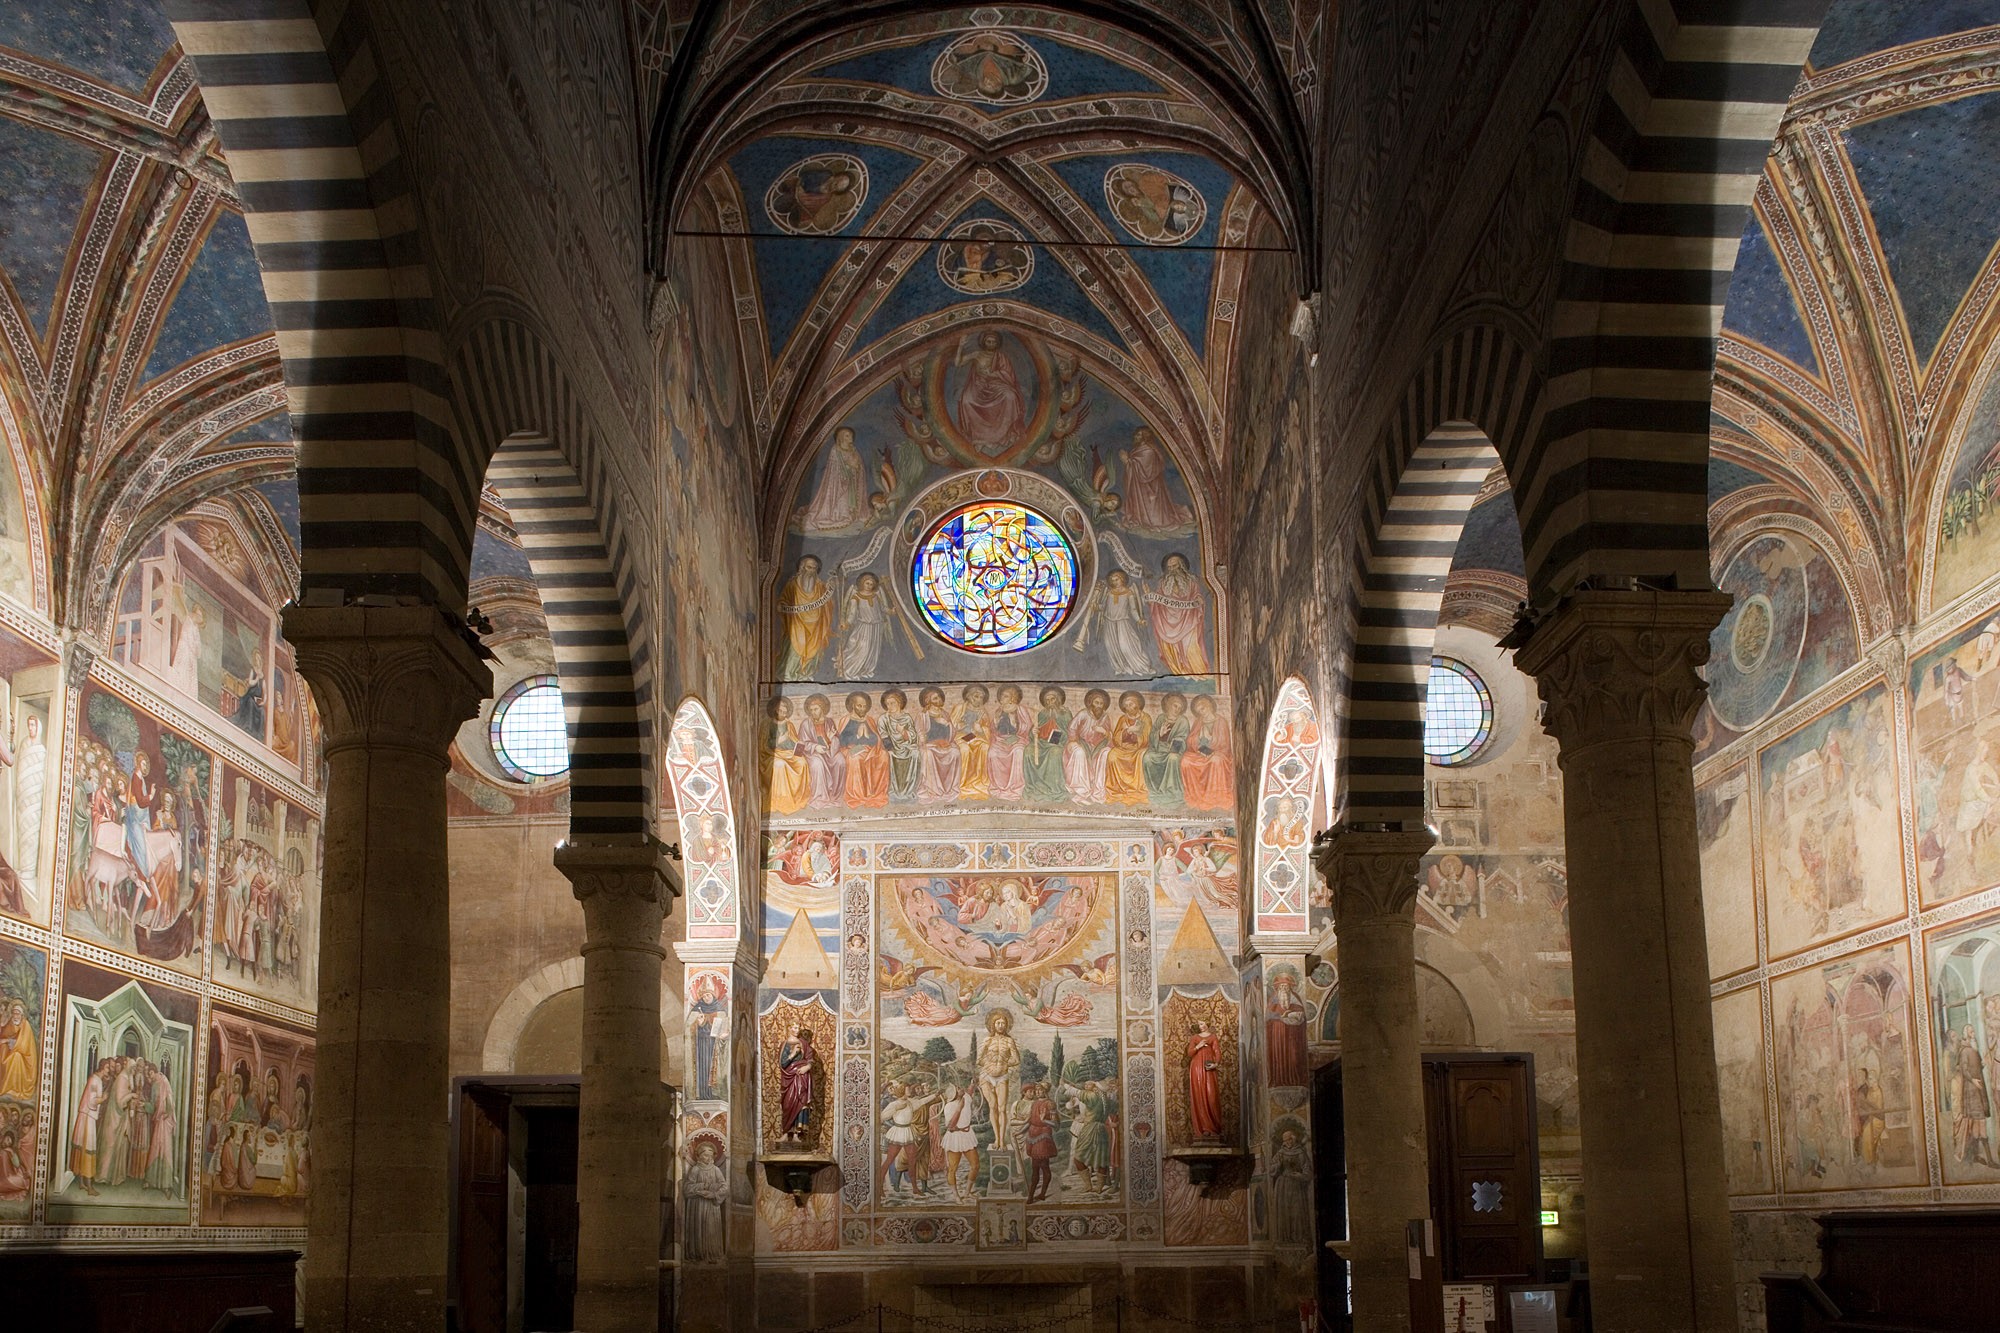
point(817, 196)
point(985, 256)
point(1153, 204)
point(996, 68)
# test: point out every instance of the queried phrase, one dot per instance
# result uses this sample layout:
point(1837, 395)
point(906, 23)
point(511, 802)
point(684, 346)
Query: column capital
point(387, 675)
point(1372, 872)
point(1616, 664)
point(640, 871)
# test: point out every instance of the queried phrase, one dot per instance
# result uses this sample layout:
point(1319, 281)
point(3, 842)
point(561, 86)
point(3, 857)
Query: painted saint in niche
point(1145, 505)
point(1285, 1057)
point(840, 501)
point(805, 604)
point(711, 1006)
point(797, 1066)
point(865, 616)
point(1179, 616)
point(818, 196)
point(992, 410)
point(1204, 1057)
point(705, 1189)
point(1291, 1187)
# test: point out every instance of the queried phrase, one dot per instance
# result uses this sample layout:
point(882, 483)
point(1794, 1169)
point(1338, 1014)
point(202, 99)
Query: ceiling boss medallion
point(996, 68)
point(985, 256)
point(1155, 205)
point(819, 195)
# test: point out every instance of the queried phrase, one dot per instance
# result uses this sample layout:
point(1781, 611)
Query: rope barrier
point(887, 1317)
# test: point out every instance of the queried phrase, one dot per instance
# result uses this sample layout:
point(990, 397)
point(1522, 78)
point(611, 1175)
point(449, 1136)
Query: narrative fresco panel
point(1831, 825)
point(267, 893)
point(1964, 974)
point(1847, 1076)
point(255, 1157)
point(23, 1037)
point(125, 1100)
point(142, 833)
point(1955, 736)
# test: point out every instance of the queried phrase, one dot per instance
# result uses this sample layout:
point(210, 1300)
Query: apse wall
point(1017, 864)
point(160, 829)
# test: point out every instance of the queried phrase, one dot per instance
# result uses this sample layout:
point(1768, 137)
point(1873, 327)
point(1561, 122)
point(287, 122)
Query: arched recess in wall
point(1959, 543)
point(1422, 499)
point(498, 1052)
point(1287, 793)
point(699, 785)
point(558, 530)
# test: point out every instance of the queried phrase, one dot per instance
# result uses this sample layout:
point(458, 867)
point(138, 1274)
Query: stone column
point(1618, 677)
point(1373, 876)
point(392, 684)
point(624, 889)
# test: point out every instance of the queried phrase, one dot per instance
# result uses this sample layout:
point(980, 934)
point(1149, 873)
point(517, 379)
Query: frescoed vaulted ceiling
point(138, 371)
point(1865, 288)
point(1086, 185)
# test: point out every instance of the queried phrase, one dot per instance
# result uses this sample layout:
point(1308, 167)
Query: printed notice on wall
point(1532, 1311)
point(1468, 1307)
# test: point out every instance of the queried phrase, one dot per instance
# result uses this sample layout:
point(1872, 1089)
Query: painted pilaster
point(1373, 877)
point(1620, 683)
point(625, 889)
point(393, 684)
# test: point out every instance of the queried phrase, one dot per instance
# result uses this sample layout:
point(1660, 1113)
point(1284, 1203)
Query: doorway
point(1485, 1171)
point(514, 1220)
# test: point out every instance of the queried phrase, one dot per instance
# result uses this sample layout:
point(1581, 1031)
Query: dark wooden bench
point(149, 1291)
point(1933, 1270)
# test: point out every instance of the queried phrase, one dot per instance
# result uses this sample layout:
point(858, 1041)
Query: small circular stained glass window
point(527, 732)
point(994, 577)
point(1458, 713)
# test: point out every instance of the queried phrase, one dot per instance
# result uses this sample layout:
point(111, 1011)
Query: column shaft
point(621, 1115)
point(392, 685)
point(1374, 880)
point(1618, 675)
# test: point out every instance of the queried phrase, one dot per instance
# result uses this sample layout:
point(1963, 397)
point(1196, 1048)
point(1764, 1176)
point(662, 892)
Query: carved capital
point(1372, 872)
point(387, 676)
point(637, 871)
point(1891, 656)
point(1620, 665)
point(77, 669)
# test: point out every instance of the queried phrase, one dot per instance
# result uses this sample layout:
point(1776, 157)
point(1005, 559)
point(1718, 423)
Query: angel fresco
point(928, 995)
point(1062, 999)
point(1004, 922)
point(818, 196)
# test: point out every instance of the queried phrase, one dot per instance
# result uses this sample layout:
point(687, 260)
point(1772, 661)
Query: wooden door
point(481, 1252)
point(1485, 1176)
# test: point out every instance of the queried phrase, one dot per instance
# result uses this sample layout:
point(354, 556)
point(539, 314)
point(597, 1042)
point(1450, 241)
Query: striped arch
point(1618, 486)
point(387, 496)
point(1469, 411)
point(699, 784)
point(553, 517)
point(1287, 799)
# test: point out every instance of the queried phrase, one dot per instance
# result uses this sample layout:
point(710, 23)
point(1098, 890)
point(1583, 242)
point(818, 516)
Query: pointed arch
point(1287, 794)
point(699, 783)
point(579, 590)
point(1405, 561)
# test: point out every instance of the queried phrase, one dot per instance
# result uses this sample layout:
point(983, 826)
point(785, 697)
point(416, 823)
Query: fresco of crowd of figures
point(160, 846)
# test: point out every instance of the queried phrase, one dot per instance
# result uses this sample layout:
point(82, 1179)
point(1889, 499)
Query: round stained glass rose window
point(528, 733)
point(994, 577)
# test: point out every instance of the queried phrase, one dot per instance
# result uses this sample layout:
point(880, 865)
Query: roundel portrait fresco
point(1156, 206)
point(996, 68)
point(985, 257)
point(1755, 650)
point(819, 195)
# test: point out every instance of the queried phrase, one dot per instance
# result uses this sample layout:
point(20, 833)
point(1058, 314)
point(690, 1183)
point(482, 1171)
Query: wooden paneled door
point(1485, 1171)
